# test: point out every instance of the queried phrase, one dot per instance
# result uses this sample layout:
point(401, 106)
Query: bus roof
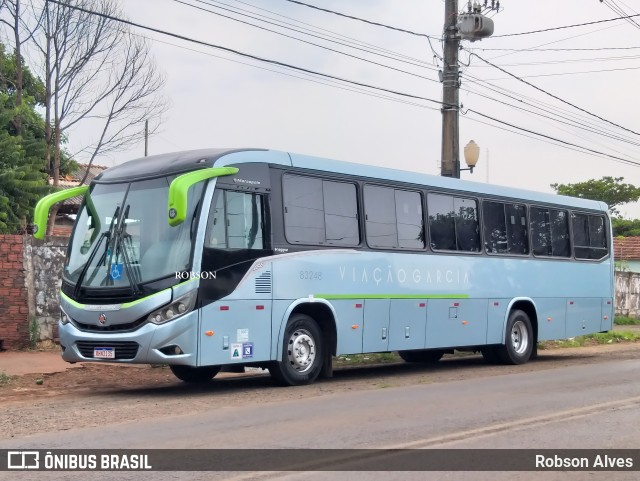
point(181, 162)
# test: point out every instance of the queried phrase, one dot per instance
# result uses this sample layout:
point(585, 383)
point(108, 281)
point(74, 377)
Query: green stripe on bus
point(392, 296)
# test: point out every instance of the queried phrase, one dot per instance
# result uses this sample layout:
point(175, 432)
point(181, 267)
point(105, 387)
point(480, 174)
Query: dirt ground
point(94, 378)
point(92, 394)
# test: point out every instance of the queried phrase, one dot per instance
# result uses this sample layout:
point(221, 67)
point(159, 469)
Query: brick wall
point(14, 311)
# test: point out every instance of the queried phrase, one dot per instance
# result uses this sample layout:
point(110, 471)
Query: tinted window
point(589, 236)
point(453, 223)
point(393, 218)
point(495, 229)
point(409, 219)
point(319, 211)
point(303, 209)
point(442, 222)
point(517, 237)
point(505, 228)
point(340, 213)
point(549, 232)
point(380, 216)
point(467, 227)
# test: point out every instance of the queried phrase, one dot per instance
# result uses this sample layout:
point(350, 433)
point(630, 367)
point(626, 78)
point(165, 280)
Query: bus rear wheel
point(519, 339)
point(425, 356)
point(192, 374)
point(302, 353)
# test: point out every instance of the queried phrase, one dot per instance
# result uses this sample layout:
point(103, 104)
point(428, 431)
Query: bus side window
point(589, 236)
point(235, 221)
point(217, 226)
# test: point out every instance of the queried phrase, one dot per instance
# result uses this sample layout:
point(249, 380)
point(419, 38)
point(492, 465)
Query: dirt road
point(94, 394)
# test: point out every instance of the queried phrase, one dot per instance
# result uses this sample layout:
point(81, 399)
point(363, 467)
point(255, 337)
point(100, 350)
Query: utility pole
point(450, 166)
point(471, 25)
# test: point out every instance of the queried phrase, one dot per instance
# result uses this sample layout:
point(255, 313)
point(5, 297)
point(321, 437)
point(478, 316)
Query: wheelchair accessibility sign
point(116, 271)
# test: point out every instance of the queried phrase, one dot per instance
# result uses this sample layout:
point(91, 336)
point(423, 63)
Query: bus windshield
point(122, 238)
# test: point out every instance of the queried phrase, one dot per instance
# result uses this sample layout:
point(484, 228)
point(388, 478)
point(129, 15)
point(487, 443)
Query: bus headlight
point(179, 307)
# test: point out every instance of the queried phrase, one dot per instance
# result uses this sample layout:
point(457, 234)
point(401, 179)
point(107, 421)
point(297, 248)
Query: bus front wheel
point(194, 374)
point(519, 339)
point(302, 353)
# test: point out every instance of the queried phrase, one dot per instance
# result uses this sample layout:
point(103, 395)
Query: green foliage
point(625, 227)
point(34, 332)
point(593, 339)
point(626, 321)
point(22, 177)
point(5, 379)
point(610, 190)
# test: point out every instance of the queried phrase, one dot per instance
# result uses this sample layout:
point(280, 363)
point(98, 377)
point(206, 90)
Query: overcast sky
point(222, 100)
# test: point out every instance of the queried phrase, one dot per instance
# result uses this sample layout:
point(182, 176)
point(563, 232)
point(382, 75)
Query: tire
point(302, 353)
point(424, 356)
point(519, 339)
point(194, 375)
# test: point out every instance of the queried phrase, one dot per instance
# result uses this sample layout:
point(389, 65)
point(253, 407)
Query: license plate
point(104, 353)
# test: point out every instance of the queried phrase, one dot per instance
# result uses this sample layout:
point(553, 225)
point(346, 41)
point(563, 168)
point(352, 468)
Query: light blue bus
point(252, 257)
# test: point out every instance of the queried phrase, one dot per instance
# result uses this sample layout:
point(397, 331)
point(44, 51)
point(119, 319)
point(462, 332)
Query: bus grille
point(124, 349)
point(263, 283)
point(130, 326)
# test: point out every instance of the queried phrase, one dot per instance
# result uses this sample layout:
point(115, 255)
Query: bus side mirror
point(41, 213)
point(179, 189)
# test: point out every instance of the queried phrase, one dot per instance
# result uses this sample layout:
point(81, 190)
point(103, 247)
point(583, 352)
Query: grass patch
point(5, 379)
point(365, 359)
point(626, 321)
point(593, 339)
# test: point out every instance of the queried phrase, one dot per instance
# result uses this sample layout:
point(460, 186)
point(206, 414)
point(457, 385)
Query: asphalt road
point(591, 406)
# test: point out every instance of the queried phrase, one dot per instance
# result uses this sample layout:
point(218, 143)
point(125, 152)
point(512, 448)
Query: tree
point(610, 190)
point(95, 71)
point(22, 145)
point(625, 227)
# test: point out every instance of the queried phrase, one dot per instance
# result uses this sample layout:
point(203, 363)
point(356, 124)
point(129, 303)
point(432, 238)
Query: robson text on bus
point(252, 257)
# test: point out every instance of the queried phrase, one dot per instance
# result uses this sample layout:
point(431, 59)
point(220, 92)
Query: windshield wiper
point(121, 247)
point(106, 234)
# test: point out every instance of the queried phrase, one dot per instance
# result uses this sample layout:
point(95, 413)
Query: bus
point(249, 257)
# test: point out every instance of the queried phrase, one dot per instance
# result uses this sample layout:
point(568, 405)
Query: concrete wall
point(44, 261)
point(628, 294)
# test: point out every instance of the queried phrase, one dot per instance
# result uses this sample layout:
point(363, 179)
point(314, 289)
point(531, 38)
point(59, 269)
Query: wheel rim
point(519, 337)
point(301, 351)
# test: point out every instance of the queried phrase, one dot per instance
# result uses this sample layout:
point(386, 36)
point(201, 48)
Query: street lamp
point(471, 154)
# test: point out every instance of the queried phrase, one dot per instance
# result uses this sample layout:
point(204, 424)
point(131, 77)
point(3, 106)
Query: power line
point(560, 28)
point(312, 43)
point(417, 34)
point(319, 74)
point(614, 157)
point(525, 50)
point(554, 96)
point(244, 54)
point(552, 111)
point(317, 29)
point(570, 73)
